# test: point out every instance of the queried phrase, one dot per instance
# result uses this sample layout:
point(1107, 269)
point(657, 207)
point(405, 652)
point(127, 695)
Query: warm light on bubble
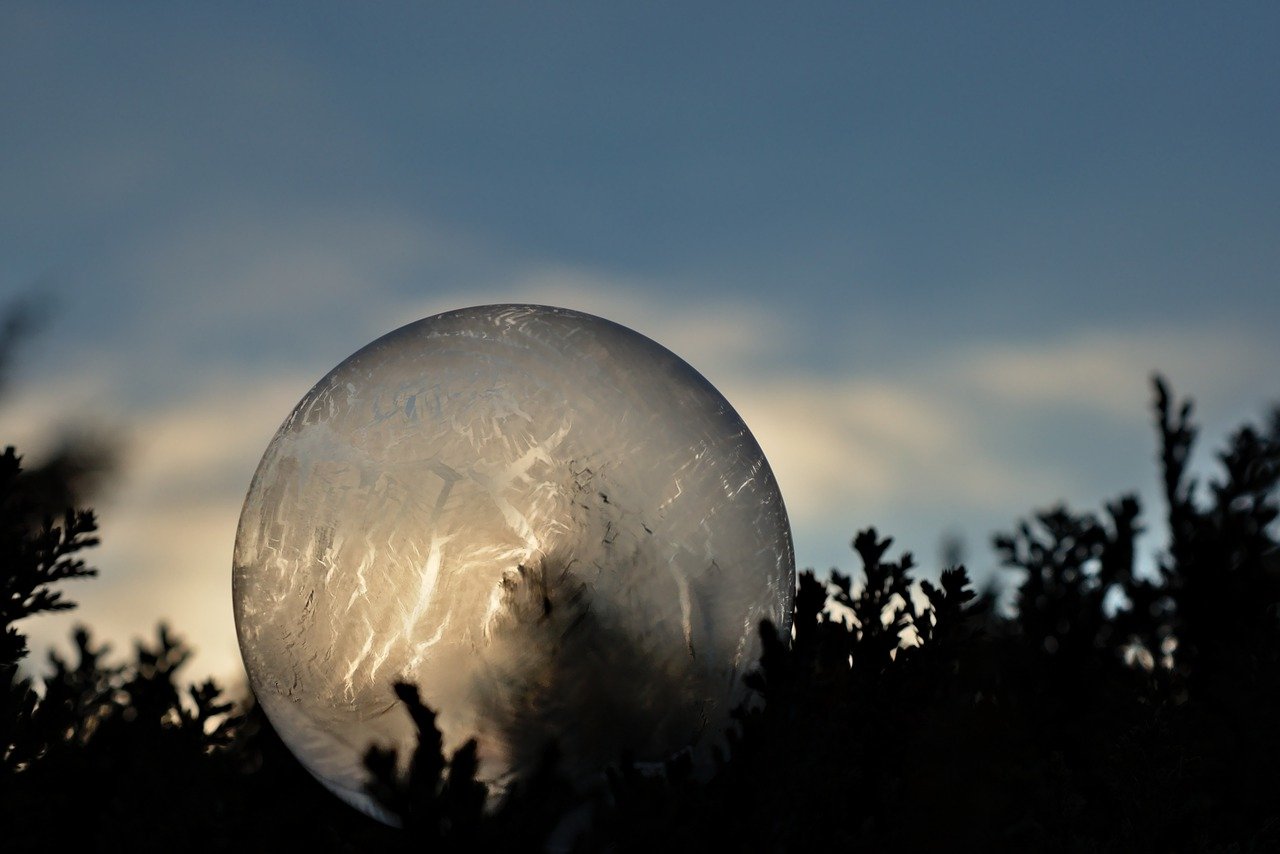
point(552, 525)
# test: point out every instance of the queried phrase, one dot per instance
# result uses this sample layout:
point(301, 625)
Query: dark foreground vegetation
point(1110, 712)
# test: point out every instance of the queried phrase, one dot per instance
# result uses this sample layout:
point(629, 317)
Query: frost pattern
point(552, 525)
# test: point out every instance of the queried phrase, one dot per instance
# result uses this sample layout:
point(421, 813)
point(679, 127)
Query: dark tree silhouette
point(902, 714)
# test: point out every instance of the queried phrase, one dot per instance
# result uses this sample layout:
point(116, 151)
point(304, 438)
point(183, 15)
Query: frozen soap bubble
point(552, 525)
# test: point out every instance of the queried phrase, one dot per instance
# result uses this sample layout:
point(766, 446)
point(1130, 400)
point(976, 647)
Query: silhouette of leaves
point(1115, 709)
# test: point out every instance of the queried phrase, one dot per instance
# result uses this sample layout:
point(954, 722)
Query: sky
point(931, 252)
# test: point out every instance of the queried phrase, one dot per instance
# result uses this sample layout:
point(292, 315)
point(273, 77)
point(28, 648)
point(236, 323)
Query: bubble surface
point(552, 525)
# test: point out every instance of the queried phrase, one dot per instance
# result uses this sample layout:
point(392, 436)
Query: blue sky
point(931, 252)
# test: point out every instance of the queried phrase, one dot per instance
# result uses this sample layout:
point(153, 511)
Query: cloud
point(34, 416)
point(972, 435)
point(1108, 371)
point(168, 524)
point(281, 277)
point(840, 444)
point(716, 336)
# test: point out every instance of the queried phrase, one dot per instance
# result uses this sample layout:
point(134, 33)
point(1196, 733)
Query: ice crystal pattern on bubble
point(527, 512)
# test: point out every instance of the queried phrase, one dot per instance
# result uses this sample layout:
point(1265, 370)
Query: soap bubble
point(552, 525)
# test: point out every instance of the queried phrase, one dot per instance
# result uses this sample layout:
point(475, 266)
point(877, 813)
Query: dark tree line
point(1109, 712)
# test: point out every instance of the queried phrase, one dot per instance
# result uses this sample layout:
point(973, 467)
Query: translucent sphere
point(553, 526)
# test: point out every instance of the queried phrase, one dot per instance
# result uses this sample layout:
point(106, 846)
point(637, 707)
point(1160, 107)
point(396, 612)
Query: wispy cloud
point(718, 337)
point(168, 522)
point(973, 435)
point(1105, 370)
point(842, 444)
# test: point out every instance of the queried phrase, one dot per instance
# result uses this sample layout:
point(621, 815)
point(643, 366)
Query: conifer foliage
point(1110, 711)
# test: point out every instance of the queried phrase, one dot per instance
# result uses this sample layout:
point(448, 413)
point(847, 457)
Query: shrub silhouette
point(901, 714)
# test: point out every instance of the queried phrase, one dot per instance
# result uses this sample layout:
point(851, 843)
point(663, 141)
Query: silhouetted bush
point(1110, 712)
